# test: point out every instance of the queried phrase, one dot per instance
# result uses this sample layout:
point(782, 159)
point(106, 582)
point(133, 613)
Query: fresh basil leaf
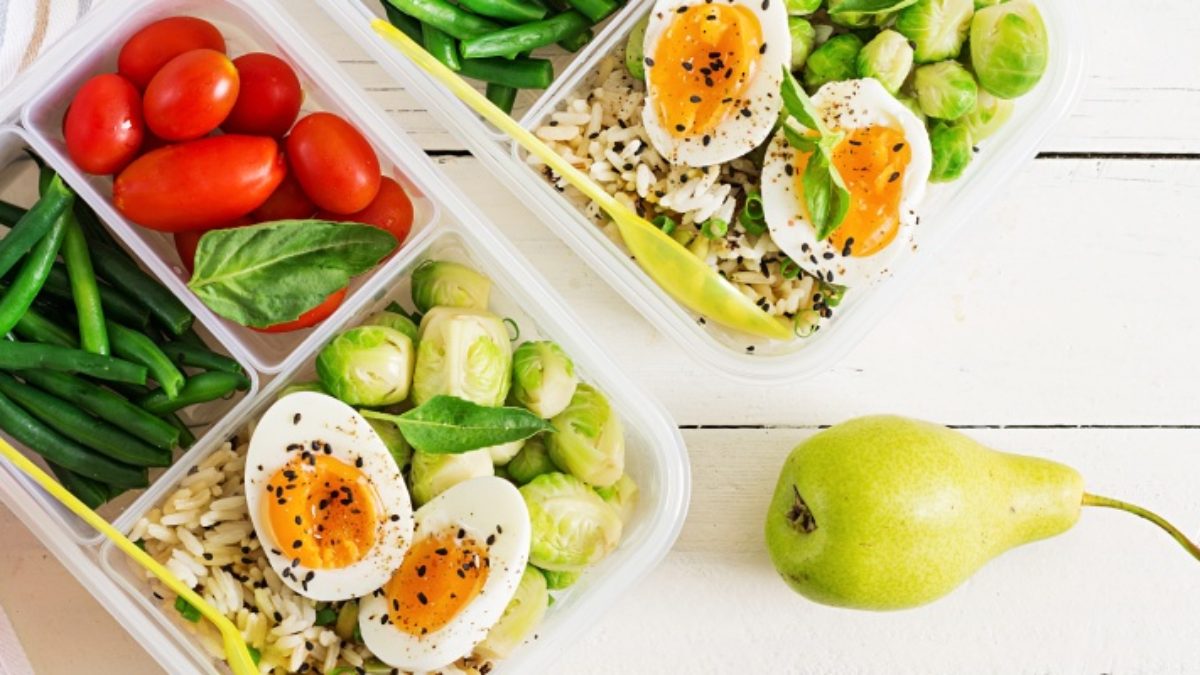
point(799, 142)
point(818, 194)
point(797, 103)
point(272, 273)
point(869, 6)
point(446, 425)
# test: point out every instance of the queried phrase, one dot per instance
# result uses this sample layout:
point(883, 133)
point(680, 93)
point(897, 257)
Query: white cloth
point(28, 26)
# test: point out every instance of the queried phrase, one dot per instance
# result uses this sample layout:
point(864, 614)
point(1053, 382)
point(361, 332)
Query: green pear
point(888, 513)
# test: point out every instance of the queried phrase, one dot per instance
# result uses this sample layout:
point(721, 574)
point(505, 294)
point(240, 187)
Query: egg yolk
point(872, 162)
point(322, 511)
point(703, 65)
point(441, 574)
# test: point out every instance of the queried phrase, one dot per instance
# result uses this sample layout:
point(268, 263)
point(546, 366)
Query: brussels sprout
point(980, 4)
point(448, 284)
point(802, 7)
point(635, 46)
point(302, 386)
point(543, 378)
point(532, 461)
point(1009, 48)
point(503, 454)
point(434, 474)
point(804, 37)
point(952, 151)
point(572, 526)
point(368, 366)
point(937, 27)
point(557, 581)
point(589, 442)
point(945, 90)
point(912, 104)
point(887, 58)
point(523, 614)
point(988, 115)
point(622, 496)
point(463, 353)
point(394, 320)
point(833, 61)
point(399, 448)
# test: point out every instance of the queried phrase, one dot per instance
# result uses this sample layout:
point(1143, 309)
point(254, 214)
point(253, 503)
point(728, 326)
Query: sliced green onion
point(806, 323)
point(186, 610)
point(789, 269)
point(714, 228)
point(665, 223)
point(752, 218)
point(326, 616)
point(255, 655)
point(514, 329)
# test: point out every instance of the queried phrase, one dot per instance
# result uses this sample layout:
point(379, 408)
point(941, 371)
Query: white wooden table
point(1063, 324)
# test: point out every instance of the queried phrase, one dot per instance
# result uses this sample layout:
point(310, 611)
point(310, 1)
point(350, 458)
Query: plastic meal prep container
point(656, 459)
point(944, 211)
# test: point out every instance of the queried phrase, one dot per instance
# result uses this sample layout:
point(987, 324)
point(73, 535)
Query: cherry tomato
point(334, 163)
point(188, 241)
point(310, 318)
point(191, 186)
point(391, 211)
point(103, 127)
point(270, 97)
point(191, 95)
point(153, 46)
point(288, 202)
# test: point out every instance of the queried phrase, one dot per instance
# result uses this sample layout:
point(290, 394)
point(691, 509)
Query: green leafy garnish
point(271, 273)
point(825, 192)
point(446, 425)
point(325, 616)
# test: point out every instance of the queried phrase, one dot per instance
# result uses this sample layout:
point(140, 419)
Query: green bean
point(116, 305)
point(37, 328)
point(82, 428)
point(25, 356)
point(120, 271)
point(442, 46)
point(509, 11)
point(32, 276)
point(574, 43)
point(186, 438)
point(407, 25)
point(64, 452)
point(449, 18)
point(200, 388)
point(107, 406)
point(596, 10)
point(33, 226)
point(92, 493)
point(137, 348)
point(526, 37)
point(11, 214)
point(504, 97)
point(517, 73)
point(186, 355)
point(92, 335)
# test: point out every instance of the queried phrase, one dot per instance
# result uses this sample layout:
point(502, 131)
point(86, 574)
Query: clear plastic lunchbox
point(737, 356)
point(450, 229)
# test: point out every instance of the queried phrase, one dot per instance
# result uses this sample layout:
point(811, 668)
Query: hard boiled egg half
point(471, 548)
point(884, 160)
point(713, 72)
point(327, 500)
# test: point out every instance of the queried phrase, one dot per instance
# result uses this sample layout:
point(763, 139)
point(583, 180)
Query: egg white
point(297, 421)
point(482, 506)
point(737, 134)
point(851, 104)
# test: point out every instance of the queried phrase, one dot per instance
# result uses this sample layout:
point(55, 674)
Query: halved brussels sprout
point(1009, 48)
point(448, 284)
point(833, 61)
point(302, 386)
point(399, 448)
point(622, 496)
point(980, 4)
point(912, 104)
point(434, 474)
point(804, 38)
point(532, 461)
point(463, 353)
point(523, 614)
point(946, 90)
point(952, 151)
point(503, 454)
point(367, 366)
point(394, 320)
point(543, 378)
point(802, 7)
point(887, 58)
point(988, 115)
point(557, 581)
point(572, 526)
point(589, 442)
point(937, 27)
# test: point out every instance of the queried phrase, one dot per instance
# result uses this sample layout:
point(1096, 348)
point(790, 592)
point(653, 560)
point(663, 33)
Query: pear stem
point(1176, 534)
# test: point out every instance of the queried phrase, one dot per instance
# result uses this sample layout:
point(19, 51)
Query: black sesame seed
point(296, 418)
point(297, 544)
point(441, 551)
point(422, 599)
point(421, 571)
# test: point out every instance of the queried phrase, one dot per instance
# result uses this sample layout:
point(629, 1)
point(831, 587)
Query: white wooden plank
point(1069, 301)
point(1139, 95)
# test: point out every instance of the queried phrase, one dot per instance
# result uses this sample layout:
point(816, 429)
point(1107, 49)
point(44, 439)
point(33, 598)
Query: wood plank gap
point(966, 427)
point(1128, 156)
